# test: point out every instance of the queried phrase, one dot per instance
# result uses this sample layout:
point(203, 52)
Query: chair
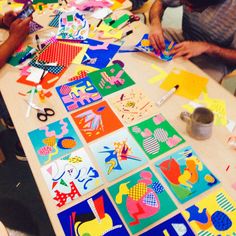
point(229, 82)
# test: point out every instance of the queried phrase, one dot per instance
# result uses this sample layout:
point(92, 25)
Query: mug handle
point(185, 116)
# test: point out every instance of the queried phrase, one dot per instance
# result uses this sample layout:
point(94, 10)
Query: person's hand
point(19, 30)
point(156, 37)
point(8, 18)
point(188, 49)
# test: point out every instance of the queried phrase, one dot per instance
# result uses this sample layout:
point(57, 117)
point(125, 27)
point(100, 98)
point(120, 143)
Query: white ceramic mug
point(199, 123)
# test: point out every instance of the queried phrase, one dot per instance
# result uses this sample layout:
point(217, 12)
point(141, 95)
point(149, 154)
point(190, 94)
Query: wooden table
point(214, 152)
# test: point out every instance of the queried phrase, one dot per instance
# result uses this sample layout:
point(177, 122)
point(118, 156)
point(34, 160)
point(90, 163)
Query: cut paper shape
point(133, 105)
point(117, 22)
point(156, 136)
point(34, 26)
point(101, 13)
point(48, 81)
point(190, 85)
point(78, 93)
point(95, 216)
point(141, 200)
point(91, 4)
point(72, 26)
point(14, 60)
point(99, 53)
point(185, 174)
point(54, 140)
point(109, 32)
point(110, 79)
point(61, 53)
point(213, 215)
point(84, 70)
point(74, 170)
point(35, 75)
point(175, 226)
point(55, 21)
point(95, 121)
point(144, 45)
point(162, 75)
point(117, 154)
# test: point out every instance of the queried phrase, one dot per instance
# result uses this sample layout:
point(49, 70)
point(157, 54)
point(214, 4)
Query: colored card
point(213, 215)
point(95, 121)
point(34, 26)
point(185, 174)
point(95, 216)
point(55, 21)
point(118, 154)
point(71, 177)
point(73, 26)
point(78, 93)
point(133, 105)
point(60, 53)
point(110, 79)
point(54, 140)
point(99, 53)
point(145, 46)
point(175, 226)
point(14, 60)
point(141, 200)
point(190, 85)
point(156, 136)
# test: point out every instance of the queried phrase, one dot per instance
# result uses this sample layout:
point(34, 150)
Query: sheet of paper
point(101, 13)
point(162, 74)
point(35, 74)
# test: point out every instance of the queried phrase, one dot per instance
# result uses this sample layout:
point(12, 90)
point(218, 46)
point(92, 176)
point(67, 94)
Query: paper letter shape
point(95, 216)
point(213, 215)
point(156, 136)
point(141, 200)
point(70, 177)
point(117, 154)
point(185, 174)
point(54, 140)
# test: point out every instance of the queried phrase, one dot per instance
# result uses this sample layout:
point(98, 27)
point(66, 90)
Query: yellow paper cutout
point(217, 201)
point(78, 59)
point(16, 6)
point(162, 74)
point(115, 5)
point(190, 85)
point(109, 32)
point(84, 68)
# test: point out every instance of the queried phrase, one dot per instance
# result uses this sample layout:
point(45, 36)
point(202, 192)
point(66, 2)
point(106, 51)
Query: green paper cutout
point(62, 182)
point(118, 79)
point(156, 136)
point(70, 18)
point(121, 20)
point(45, 1)
point(128, 205)
point(15, 59)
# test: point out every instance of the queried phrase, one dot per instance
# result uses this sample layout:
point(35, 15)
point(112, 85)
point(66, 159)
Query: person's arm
point(156, 36)
point(7, 19)
point(1, 22)
point(190, 49)
point(18, 32)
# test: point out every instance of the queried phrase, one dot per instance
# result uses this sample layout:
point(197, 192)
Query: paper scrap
point(162, 74)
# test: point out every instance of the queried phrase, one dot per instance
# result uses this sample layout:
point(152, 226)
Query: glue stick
point(41, 93)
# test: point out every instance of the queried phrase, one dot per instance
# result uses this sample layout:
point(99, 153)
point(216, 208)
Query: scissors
point(132, 18)
point(42, 113)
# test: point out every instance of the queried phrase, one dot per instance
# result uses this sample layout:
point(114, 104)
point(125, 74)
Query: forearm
point(156, 12)
point(229, 55)
point(1, 22)
point(6, 50)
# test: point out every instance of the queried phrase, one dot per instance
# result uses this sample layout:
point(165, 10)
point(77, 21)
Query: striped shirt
point(216, 24)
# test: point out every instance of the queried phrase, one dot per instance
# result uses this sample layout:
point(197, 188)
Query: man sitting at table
point(18, 31)
point(208, 35)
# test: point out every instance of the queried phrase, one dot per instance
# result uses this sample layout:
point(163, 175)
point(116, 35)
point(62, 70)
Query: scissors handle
point(132, 18)
point(43, 115)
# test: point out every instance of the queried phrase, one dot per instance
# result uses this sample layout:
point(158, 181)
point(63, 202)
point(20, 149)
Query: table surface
point(214, 152)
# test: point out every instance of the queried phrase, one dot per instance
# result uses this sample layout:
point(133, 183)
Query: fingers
point(154, 42)
point(26, 21)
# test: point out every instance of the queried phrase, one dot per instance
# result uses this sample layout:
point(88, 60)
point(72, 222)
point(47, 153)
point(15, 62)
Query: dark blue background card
point(78, 93)
point(82, 213)
point(175, 226)
point(96, 57)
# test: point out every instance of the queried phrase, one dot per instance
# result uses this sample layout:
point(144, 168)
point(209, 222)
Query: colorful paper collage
point(99, 53)
point(145, 46)
point(95, 121)
point(60, 53)
point(95, 216)
point(185, 174)
point(156, 136)
point(72, 26)
point(54, 140)
point(110, 79)
point(141, 200)
point(14, 60)
point(117, 154)
point(175, 226)
point(78, 93)
point(213, 215)
point(71, 177)
point(190, 85)
point(133, 105)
